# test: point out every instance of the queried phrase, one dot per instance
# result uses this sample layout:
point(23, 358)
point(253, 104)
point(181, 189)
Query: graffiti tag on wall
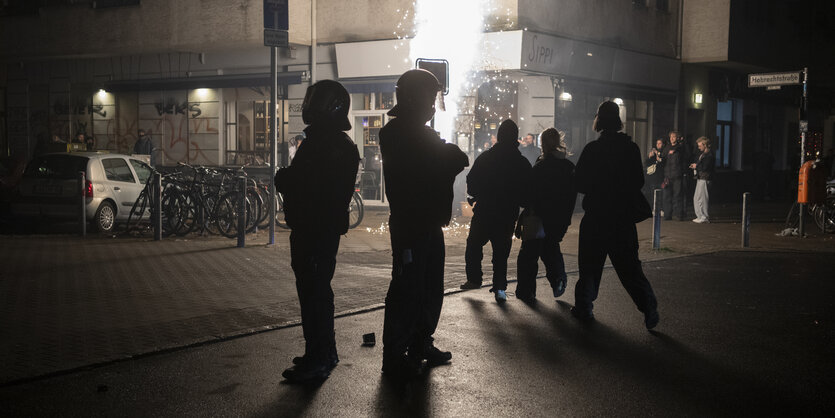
point(61, 106)
point(173, 107)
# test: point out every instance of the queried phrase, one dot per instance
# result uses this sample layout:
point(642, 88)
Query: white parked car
point(49, 187)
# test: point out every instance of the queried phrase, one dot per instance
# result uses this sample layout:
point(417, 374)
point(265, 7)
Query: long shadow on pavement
point(599, 361)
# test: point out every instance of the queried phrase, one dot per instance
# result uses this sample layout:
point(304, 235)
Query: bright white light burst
point(450, 30)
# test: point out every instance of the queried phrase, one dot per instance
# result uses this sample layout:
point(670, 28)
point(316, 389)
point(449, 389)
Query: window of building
point(724, 131)
point(248, 132)
point(369, 116)
point(636, 123)
point(372, 101)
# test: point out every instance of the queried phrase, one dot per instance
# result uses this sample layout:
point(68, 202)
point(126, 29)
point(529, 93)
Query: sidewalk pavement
point(742, 333)
point(67, 303)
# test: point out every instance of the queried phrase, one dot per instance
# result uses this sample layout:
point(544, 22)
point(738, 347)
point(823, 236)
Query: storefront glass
point(369, 113)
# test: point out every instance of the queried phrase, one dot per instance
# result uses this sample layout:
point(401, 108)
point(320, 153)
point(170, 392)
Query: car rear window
point(56, 166)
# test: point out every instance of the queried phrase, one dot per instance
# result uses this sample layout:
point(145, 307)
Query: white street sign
point(773, 79)
point(274, 37)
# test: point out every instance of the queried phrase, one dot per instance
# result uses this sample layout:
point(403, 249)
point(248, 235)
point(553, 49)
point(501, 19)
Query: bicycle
point(356, 209)
point(822, 213)
point(144, 205)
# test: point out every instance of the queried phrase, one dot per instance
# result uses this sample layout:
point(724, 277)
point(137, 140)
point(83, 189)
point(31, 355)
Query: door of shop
point(366, 133)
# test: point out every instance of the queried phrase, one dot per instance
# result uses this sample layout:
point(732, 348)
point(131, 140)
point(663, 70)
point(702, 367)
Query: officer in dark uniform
point(419, 169)
point(499, 179)
point(317, 188)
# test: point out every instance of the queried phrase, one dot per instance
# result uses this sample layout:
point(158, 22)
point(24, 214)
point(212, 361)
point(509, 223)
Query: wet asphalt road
point(741, 334)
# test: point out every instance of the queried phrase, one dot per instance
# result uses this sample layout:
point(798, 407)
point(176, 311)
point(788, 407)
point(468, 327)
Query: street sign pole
point(773, 81)
point(276, 27)
point(804, 126)
point(273, 137)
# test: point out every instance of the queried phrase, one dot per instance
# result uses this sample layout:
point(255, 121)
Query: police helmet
point(416, 91)
point(327, 101)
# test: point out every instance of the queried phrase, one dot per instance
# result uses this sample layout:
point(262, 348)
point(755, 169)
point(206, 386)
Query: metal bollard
point(801, 220)
point(157, 206)
point(656, 218)
point(242, 212)
point(82, 186)
point(746, 218)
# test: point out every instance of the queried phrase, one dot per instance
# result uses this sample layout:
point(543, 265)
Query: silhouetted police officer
point(610, 174)
point(317, 188)
point(419, 169)
point(497, 183)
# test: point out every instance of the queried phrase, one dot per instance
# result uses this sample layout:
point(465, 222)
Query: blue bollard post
point(656, 218)
point(241, 207)
point(746, 219)
point(157, 206)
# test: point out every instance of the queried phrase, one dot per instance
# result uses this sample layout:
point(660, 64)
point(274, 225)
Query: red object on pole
point(811, 183)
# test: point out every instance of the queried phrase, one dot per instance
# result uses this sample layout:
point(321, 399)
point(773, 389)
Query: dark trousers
point(415, 294)
point(619, 240)
point(674, 198)
point(500, 234)
point(527, 263)
point(313, 258)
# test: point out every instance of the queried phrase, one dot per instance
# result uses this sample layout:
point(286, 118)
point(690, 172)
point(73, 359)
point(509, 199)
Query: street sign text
point(773, 79)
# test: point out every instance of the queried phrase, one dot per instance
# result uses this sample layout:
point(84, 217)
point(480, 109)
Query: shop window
point(248, 133)
point(372, 101)
point(367, 136)
point(368, 117)
point(636, 123)
point(724, 133)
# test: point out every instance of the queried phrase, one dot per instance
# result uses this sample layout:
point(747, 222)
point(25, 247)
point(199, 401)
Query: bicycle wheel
point(255, 208)
point(356, 210)
point(208, 220)
point(227, 211)
point(264, 215)
point(179, 216)
point(824, 215)
point(137, 211)
point(226, 215)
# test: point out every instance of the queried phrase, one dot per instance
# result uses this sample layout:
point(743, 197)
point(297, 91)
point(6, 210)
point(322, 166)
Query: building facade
point(755, 131)
point(195, 74)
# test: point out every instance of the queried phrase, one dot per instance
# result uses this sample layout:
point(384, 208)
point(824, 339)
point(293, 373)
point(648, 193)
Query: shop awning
point(526, 51)
point(375, 85)
point(215, 81)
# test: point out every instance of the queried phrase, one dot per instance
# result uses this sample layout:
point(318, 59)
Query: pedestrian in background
point(317, 188)
point(703, 169)
point(293, 146)
point(496, 183)
point(419, 170)
point(654, 165)
point(675, 159)
point(610, 175)
point(552, 201)
point(529, 149)
point(144, 146)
